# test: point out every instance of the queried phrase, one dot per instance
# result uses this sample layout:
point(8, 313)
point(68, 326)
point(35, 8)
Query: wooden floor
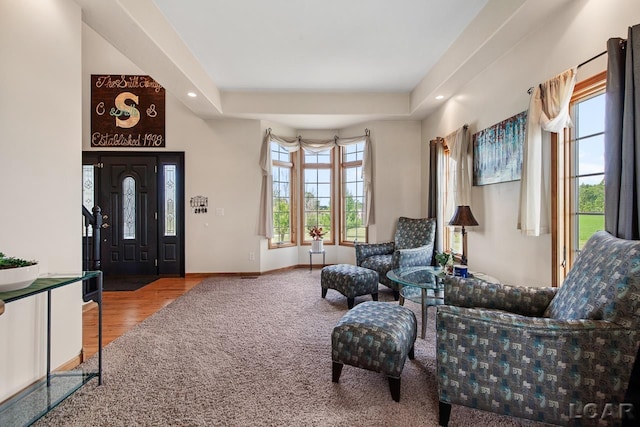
point(124, 309)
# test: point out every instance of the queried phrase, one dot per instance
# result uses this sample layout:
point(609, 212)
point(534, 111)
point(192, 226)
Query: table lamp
point(463, 217)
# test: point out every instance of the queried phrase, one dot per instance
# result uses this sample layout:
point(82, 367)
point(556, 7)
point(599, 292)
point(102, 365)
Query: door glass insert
point(129, 208)
point(169, 200)
point(88, 191)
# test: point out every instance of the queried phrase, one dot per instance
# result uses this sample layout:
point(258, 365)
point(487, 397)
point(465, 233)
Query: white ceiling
point(314, 64)
point(311, 45)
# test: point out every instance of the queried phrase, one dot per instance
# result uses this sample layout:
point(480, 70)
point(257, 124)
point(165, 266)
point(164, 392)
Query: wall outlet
point(219, 211)
point(252, 256)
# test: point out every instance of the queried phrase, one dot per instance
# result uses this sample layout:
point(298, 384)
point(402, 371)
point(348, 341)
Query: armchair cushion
point(380, 264)
point(415, 232)
point(412, 257)
point(603, 284)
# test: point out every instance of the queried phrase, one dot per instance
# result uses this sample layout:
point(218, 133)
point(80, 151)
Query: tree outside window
point(317, 197)
point(353, 197)
point(282, 167)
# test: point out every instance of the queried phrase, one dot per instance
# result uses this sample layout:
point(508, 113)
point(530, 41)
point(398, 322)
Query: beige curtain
point(548, 112)
point(265, 226)
point(441, 191)
point(460, 167)
point(454, 180)
point(265, 220)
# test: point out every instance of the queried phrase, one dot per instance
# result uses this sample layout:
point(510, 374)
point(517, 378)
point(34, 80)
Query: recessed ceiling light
point(192, 94)
point(439, 96)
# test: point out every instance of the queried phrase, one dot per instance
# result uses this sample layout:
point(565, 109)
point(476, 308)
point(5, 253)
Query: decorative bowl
point(12, 279)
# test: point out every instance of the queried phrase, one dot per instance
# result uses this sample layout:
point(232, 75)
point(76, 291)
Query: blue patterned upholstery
point(611, 269)
point(350, 280)
point(378, 336)
point(517, 299)
point(413, 245)
point(579, 348)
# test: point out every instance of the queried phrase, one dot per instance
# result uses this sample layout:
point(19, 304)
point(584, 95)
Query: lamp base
point(463, 261)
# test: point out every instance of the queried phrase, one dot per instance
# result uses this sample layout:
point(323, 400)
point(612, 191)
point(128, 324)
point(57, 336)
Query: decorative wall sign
point(199, 204)
point(127, 111)
point(497, 151)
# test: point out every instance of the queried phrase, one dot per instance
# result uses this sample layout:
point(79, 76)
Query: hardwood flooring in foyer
point(124, 309)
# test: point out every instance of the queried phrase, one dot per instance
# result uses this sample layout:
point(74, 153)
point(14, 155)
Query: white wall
point(222, 164)
point(396, 176)
point(396, 169)
point(576, 34)
point(40, 170)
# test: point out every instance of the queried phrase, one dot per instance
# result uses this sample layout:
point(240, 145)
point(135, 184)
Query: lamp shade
point(463, 216)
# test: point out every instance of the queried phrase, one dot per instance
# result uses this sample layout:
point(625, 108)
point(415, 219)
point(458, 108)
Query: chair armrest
point(412, 257)
point(533, 325)
point(365, 250)
point(470, 292)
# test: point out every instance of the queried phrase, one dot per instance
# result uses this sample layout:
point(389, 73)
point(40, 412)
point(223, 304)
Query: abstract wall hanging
point(497, 151)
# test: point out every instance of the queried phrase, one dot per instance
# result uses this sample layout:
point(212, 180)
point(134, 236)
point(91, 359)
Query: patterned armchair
point(559, 356)
point(413, 245)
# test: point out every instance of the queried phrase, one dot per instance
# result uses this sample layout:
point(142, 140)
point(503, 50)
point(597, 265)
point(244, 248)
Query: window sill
point(281, 245)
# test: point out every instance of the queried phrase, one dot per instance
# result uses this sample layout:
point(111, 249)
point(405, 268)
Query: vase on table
point(449, 267)
point(316, 246)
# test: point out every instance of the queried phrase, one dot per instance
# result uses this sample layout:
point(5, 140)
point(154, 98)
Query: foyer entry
point(141, 196)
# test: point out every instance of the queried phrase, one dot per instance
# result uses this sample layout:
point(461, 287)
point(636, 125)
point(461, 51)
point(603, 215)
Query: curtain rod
point(367, 132)
point(592, 59)
point(530, 90)
point(441, 139)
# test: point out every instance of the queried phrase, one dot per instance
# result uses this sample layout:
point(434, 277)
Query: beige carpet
point(254, 352)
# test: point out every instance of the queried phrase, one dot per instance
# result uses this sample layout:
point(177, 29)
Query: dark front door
point(141, 196)
point(128, 196)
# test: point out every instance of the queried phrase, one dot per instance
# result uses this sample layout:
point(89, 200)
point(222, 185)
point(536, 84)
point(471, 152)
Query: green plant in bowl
point(12, 262)
point(16, 273)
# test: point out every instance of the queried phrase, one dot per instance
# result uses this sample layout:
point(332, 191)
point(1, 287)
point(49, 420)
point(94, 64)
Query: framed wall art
point(127, 111)
point(497, 151)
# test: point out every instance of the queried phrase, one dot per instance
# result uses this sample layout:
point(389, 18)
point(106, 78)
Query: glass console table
point(27, 406)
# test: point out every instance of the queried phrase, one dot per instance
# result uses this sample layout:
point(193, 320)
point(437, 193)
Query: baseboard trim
point(89, 306)
point(222, 274)
point(64, 367)
point(313, 266)
point(71, 363)
point(250, 273)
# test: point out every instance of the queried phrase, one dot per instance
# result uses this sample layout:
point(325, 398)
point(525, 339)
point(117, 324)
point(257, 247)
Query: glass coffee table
point(423, 285)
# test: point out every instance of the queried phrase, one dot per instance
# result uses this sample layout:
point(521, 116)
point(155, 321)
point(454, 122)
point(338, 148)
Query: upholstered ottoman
point(377, 336)
point(350, 280)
